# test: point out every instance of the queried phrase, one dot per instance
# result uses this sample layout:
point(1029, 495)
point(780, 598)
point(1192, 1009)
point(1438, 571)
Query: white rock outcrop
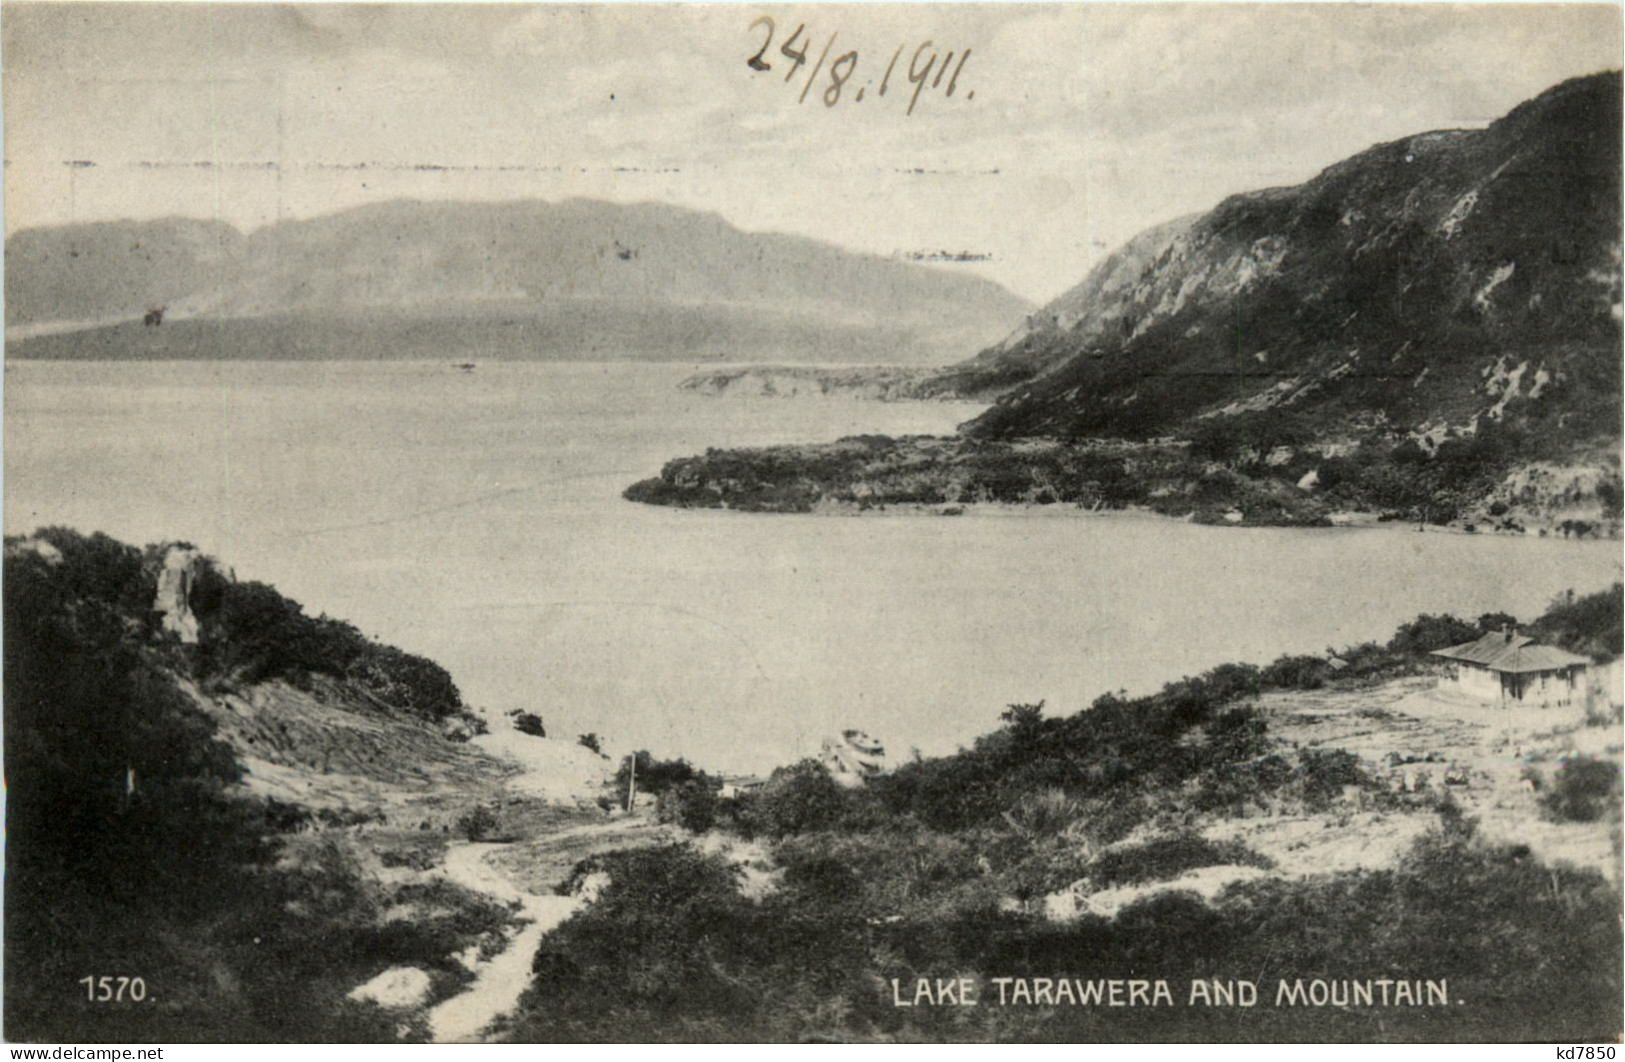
point(853, 758)
point(174, 598)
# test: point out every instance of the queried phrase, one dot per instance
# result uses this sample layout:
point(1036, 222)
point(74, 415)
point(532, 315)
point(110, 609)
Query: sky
point(1070, 128)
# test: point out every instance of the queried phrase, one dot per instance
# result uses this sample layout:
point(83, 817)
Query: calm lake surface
point(477, 519)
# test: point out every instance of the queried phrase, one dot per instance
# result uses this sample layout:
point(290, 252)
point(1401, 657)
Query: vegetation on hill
point(248, 631)
point(671, 951)
point(131, 851)
point(115, 269)
point(1251, 470)
point(1589, 624)
point(939, 870)
point(1401, 286)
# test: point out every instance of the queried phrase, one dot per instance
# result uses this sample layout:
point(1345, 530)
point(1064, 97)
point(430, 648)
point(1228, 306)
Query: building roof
point(1509, 651)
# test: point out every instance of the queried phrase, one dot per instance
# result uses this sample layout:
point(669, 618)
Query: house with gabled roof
point(1509, 669)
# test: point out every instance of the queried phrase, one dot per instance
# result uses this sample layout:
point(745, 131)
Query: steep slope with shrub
point(1448, 276)
point(167, 806)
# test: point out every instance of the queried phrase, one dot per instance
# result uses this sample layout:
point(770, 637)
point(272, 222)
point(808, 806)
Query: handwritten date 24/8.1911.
point(925, 67)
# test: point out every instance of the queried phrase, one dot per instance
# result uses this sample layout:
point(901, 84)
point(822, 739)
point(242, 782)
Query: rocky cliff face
point(1438, 280)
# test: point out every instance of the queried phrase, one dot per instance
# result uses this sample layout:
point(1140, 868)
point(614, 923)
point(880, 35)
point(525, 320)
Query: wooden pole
point(631, 782)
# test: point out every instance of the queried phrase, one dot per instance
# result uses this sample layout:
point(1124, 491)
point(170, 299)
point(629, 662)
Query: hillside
point(1430, 281)
point(250, 809)
point(1430, 329)
point(505, 280)
point(1332, 825)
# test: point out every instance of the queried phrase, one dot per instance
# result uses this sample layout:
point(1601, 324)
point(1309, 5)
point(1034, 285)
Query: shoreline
point(1339, 521)
point(1303, 486)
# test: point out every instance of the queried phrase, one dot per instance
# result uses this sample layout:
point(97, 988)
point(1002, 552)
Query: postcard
point(891, 523)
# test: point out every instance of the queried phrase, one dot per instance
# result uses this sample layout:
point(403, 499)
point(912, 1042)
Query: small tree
point(1426, 633)
point(591, 741)
point(654, 776)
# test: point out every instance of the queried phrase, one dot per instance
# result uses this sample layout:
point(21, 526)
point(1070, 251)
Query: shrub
point(1589, 624)
point(529, 723)
point(1296, 673)
point(252, 632)
point(105, 569)
point(672, 951)
point(258, 940)
point(800, 798)
point(1167, 858)
point(479, 823)
point(590, 741)
point(1584, 790)
point(691, 805)
point(1048, 813)
point(1321, 774)
point(1426, 633)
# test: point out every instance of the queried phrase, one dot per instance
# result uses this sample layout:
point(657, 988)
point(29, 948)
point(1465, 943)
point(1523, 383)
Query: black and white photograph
point(1088, 523)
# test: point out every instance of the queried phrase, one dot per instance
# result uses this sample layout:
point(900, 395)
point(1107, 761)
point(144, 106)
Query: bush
point(1168, 858)
point(1046, 814)
point(801, 798)
point(258, 940)
point(590, 741)
point(1322, 773)
point(104, 569)
point(529, 723)
point(1584, 790)
point(691, 805)
point(672, 951)
point(1590, 624)
point(251, 632)
point(1224, 438)
point(479, 823)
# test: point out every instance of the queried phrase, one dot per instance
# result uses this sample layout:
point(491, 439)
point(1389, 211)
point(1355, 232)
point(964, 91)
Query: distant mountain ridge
point(662, 281)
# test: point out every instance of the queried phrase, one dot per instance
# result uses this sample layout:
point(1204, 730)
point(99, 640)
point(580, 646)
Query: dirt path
point(502, 979)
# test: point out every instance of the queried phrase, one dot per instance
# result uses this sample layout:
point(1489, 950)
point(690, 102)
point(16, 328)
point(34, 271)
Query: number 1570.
point(114, 989)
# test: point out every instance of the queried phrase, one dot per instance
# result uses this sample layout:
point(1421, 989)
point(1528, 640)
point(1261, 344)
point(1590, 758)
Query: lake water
point(477, 519)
